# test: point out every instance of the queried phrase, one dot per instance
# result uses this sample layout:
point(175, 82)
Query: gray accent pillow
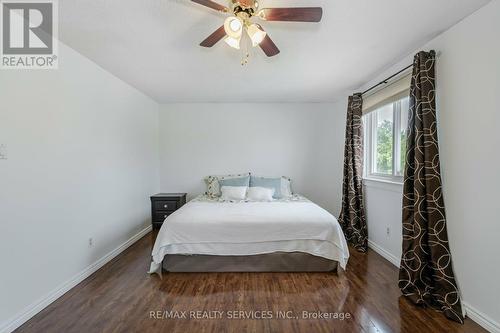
point(235, 182)
point(213, 188)
point(274, 183)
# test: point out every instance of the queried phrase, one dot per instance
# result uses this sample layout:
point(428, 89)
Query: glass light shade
point(233, 42)
point(233, 26)
point(256, 34)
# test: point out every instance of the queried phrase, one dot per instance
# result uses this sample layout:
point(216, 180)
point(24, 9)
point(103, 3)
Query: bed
point(214, 235)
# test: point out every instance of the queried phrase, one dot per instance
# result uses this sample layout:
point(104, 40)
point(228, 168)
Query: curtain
point(352, 216)
point(426, 274)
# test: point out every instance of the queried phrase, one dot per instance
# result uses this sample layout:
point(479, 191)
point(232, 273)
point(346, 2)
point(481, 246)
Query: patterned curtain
point(426, 274)
point(352, 216)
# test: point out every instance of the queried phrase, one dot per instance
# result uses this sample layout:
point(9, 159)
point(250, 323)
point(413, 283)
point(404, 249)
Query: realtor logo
point(29, 34)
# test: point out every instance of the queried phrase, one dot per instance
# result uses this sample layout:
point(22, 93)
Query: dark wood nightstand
point(164, 204)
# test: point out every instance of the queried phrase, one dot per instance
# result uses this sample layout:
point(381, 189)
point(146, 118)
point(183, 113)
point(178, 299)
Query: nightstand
point(164, 204)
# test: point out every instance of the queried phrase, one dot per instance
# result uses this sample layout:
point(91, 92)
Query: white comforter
point(250, 228)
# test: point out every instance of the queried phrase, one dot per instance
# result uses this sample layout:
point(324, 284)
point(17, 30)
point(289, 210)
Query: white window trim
point(370, 123)
point(383, 184)
point(396, 146)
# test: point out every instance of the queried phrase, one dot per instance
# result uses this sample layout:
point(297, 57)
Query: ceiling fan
point(240, 21)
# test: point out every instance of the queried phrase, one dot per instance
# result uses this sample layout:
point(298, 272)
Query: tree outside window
point(385, 140)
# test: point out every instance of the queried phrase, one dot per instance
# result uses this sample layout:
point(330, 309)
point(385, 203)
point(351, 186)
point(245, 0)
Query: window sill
point(383, 184)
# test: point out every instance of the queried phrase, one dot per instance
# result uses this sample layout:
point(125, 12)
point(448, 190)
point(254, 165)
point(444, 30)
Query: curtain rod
point(386, 80)
point(433, 52)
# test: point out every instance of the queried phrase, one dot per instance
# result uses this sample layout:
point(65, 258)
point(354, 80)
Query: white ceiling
point(153, 46)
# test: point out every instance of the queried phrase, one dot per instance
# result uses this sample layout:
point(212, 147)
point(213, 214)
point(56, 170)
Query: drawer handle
point(165, 206)
point(165, 216)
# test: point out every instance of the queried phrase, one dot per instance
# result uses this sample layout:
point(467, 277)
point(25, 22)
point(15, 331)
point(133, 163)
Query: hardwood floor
point(120, 297)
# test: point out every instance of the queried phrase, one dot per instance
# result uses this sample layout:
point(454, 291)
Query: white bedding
point(250, 228)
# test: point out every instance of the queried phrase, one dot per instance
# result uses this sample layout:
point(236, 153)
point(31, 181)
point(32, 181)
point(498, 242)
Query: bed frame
point(273, 262)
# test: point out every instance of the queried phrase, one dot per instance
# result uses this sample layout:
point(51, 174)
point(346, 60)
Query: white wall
point(82, 161)
point(302, 141)
point(383, 204)
point(468, 86)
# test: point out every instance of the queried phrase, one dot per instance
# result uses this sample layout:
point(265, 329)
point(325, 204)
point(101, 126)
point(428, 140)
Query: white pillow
point(213, 186)
point(260, 194)
point(234, 192)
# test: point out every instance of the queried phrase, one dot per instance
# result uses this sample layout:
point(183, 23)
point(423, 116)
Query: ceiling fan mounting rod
point(248, 11)
point(244, 6)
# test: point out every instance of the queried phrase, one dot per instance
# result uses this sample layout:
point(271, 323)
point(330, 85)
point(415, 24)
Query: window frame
point(370, 121)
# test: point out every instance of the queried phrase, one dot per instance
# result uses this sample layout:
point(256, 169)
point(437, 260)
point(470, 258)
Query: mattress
point(222, 228)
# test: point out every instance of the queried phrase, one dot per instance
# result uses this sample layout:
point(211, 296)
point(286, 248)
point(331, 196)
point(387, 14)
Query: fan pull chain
point(244, 60)
point(245, 56)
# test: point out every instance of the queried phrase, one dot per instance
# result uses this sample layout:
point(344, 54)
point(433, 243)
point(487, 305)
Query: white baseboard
point(30, 311)
point(480, 318)
point(475, 315)
point(384, 253)
point(34, 308)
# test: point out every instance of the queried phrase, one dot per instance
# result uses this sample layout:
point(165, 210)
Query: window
point(385, 141)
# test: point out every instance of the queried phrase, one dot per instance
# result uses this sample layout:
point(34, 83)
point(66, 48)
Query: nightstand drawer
point(165, 205)
point(160, 216)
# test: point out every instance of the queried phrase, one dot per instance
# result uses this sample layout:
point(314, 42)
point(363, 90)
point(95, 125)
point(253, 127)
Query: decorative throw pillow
point(240, 181)
point(234, 192)
point(260, 194)
point(213, 187)
point(282, 185)
point(286, 187)
point(273, 183)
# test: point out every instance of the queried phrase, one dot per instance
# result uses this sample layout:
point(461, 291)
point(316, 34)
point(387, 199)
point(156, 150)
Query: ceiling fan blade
point(214, 38)
point(213, 5)
point(298, 14)
point(268, 46)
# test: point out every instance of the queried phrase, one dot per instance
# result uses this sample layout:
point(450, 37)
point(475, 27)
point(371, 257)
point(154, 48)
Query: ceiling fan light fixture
point(233, 27)
point(239, 25)
point(256, 34)
point(233, 42)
